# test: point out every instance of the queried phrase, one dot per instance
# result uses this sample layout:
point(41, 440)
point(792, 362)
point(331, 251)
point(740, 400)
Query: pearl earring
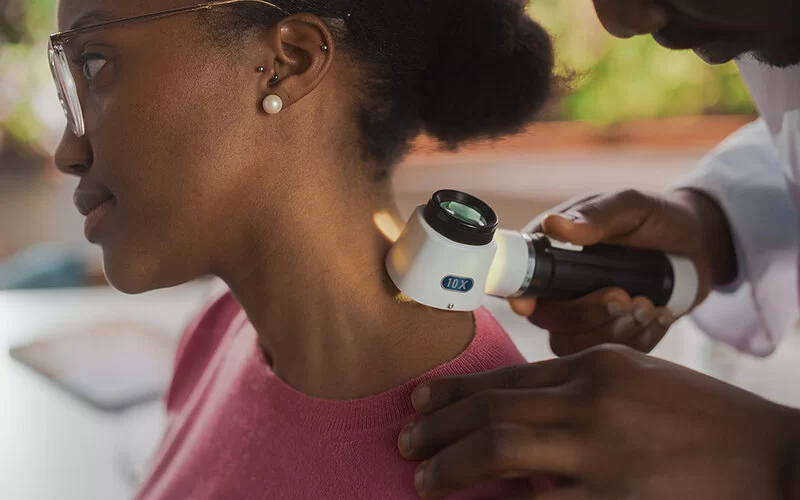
point(272, 104)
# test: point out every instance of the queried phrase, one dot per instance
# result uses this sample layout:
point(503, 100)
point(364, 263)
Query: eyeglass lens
point(65, 85)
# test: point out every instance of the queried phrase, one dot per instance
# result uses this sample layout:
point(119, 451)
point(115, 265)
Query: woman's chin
point(126, 283)
point(131, 276)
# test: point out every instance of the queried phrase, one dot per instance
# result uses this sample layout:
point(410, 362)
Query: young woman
point(254, 141)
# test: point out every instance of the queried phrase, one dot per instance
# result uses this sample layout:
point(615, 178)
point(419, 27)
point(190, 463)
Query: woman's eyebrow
point(91, 18)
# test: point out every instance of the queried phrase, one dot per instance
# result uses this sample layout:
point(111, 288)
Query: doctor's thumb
point(600, 220)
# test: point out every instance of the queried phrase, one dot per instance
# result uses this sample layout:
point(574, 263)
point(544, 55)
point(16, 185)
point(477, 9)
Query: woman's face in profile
point(173, 136)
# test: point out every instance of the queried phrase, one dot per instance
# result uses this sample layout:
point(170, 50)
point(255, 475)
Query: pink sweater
point(237, 431)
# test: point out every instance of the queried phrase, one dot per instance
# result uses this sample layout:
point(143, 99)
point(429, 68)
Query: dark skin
point(717, 30)
point(615, 423)
point(206, 183)
point(609, 421)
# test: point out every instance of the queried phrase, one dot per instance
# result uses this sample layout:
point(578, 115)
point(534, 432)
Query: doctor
point(608, 420)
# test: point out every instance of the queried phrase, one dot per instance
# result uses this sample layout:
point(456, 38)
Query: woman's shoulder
point(201, 340)
point(218, 310)
point(490, 332)
point(491, 347)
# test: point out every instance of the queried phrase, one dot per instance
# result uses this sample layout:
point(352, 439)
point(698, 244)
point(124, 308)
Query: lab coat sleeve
point(744, 175)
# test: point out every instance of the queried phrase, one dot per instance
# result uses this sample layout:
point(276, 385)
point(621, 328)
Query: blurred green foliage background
point(619, 80)
point(616, 80)
point(24, 73)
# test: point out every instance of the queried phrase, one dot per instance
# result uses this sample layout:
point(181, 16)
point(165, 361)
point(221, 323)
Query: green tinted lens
point(464, 213)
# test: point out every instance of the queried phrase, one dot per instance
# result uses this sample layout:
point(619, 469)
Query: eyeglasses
point(59, 63)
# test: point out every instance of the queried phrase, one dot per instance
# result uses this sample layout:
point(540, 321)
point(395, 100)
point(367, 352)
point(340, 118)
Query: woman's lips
point(94, 217)
point(93, 201)
point(87, 200)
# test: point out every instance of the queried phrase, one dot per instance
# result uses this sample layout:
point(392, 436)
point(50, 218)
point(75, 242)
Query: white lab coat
point(755, 176)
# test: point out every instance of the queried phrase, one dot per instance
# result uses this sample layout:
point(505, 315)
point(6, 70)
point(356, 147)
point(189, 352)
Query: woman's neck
point(328, 317)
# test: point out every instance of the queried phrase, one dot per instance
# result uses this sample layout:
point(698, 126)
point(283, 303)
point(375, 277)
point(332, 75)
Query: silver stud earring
point(324, 47)
point(274, 79)
point(272, 104)
point(260, 69)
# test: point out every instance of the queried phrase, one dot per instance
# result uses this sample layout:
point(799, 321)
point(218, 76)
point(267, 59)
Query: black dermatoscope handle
point(564, 274)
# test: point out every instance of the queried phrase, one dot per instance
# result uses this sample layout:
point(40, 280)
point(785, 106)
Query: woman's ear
point(303, 50)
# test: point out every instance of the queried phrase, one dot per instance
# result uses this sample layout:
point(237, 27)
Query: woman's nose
point(627, 18)
point(74, 154)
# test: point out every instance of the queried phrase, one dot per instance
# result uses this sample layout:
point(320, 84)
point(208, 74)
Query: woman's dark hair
point(456, 69)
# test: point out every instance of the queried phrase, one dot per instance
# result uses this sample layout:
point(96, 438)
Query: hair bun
point(491, 73)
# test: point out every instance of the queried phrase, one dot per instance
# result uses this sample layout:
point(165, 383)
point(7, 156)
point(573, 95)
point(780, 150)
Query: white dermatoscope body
point(451, 254)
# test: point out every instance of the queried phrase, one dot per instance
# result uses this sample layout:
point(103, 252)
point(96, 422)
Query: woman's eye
point(91, 65)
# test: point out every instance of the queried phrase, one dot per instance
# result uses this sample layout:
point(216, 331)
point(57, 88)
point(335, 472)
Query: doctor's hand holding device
point(451, 253)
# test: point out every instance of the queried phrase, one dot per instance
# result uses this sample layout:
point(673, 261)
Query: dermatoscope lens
point(461, 217)
point(464, 213)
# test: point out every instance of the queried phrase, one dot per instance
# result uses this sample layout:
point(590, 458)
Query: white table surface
point(55, 447)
